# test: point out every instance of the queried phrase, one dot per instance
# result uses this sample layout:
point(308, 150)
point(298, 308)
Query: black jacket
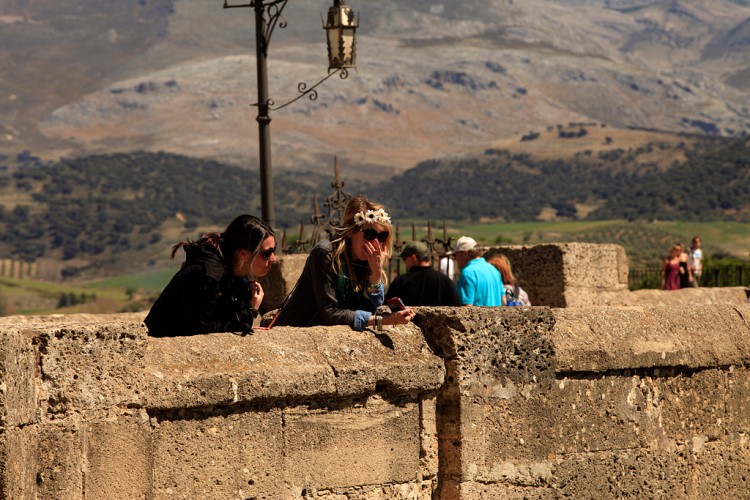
point(424, 286)
point(203, 297)
point(320, 297)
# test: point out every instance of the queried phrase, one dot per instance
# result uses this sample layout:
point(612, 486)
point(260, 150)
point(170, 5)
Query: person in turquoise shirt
point(480, 283)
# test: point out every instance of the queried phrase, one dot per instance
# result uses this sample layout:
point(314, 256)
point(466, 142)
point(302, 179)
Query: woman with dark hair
point(343, 281)
point(215, 289)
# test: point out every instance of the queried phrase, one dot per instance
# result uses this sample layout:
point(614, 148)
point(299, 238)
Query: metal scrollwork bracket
point(311, 93)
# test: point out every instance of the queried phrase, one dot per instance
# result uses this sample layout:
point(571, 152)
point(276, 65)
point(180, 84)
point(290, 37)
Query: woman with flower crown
point(343, 282)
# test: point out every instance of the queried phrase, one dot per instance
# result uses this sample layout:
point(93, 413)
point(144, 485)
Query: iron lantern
point(341, 28)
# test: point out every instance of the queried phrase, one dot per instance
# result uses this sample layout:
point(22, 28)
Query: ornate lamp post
point(340, 27)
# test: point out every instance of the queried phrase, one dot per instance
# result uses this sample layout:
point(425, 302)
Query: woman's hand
point(375, 259)
point(399, 317)
point(257, 294)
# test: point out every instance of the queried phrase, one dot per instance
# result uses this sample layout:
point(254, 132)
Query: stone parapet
point(93, 408)
point(592, 403)
point(466, 403)
point(568, 274)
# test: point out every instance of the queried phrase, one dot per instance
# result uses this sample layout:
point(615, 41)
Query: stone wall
point(593, 403)
point(606, 402)
point(90, 407)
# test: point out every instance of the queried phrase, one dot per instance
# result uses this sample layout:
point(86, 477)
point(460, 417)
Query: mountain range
point(435, 79)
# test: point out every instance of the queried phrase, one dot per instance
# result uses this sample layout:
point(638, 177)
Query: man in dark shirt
point(422, 285)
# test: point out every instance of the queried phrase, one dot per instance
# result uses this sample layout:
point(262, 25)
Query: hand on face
point(375, 252)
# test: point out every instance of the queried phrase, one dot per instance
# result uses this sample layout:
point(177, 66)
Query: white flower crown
point(378, 216)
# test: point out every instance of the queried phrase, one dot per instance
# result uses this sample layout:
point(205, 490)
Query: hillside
point(434, 79)
point(117, 210)
point(674, 178)
point(105, 213)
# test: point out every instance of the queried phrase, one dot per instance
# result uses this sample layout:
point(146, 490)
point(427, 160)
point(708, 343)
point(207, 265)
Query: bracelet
point(379, 323)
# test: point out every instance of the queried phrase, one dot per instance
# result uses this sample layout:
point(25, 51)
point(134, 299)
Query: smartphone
point(396, 304)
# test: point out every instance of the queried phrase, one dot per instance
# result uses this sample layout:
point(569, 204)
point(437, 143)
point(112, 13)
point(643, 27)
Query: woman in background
point(343, 281)
point(215, 289)
point(513, 292)
point(670, 269)
point(686, 273)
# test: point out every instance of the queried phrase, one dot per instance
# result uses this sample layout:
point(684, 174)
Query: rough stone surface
point(280, 281)
point(288, 364)
point(567, 274)
point(683, 298)
point(92, 366)
point(601, 339)
point(635, 473)
point(18, 379)
point(118, 453)
point(720, 469)
point(738, 401)
point(61, 461)
point(218, 454)
point(601, 402)
point(18, 462)
point(373, 443)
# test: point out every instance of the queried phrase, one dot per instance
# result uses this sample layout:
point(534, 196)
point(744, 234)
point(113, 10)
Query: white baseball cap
point(464, 244)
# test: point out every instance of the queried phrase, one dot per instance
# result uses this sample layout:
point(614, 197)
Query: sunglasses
point(266, 254)
point(370, 234)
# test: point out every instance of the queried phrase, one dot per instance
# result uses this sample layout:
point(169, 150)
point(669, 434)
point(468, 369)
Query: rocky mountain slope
point(434, 79)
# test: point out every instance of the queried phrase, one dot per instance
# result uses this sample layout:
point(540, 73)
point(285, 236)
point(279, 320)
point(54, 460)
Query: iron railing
point(713, 276)
point(324, 226)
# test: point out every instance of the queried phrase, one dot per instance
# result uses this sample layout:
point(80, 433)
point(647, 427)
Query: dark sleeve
point(394, 289)
point(201, 308)
point(324, 283)
point(451, 298)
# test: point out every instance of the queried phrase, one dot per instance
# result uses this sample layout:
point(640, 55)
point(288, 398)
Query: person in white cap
point(480, 283)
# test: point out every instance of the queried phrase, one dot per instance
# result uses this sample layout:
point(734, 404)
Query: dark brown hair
point(245, 232)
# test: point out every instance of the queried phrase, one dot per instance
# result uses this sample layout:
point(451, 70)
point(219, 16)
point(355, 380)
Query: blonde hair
point(341, 248)
point(502, 264)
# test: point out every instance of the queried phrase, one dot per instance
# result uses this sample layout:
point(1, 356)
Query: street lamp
point(340, 28)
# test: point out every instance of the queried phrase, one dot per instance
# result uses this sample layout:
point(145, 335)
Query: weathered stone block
point(61, 458)
point(376, 443)
point(119, 458)
point(601, 413)
point(567, 274)
point(397, 360)
point(721, 469)
point(224, 369)
point(288, 364)
point(18, 373)
point(497, 491)
point(93, 366)
point(539, 270)
point(692, 403)
point(218, 454)
point(428, 441)
point(638, 473)
point(738, 401)
point(18, 462)
point(601, 339)
point(280, 280)
point(486, 347)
